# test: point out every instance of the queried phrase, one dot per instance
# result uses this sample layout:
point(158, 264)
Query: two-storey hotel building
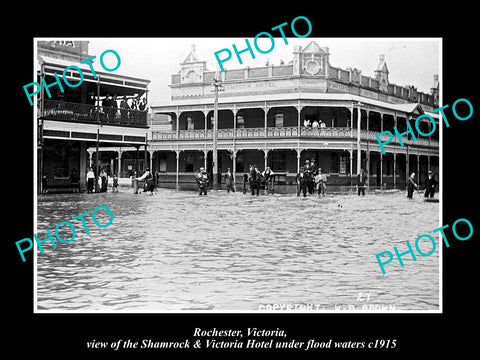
point(282, 115)
point(76, 128)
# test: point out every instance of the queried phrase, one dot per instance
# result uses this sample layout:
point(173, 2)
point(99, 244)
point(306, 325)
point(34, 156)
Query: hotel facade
point(74, 125)
point(264, 115)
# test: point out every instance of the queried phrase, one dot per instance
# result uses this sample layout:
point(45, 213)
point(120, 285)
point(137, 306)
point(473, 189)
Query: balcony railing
point(84, 113)
point(283, 132)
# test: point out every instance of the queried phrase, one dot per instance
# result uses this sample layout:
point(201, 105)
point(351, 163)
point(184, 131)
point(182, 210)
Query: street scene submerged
point(254, 186)
point(177, 251)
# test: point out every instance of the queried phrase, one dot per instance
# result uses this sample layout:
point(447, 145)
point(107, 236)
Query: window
point(334, 162)
point(189, 123)
point(240, 163)
point(278, 161)
point(343, 164)
point(163, 165)
point(240, 123)
point(279, 120)
point(189, 163)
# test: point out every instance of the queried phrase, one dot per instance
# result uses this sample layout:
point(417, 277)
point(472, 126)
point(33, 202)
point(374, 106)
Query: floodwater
point(177, 251)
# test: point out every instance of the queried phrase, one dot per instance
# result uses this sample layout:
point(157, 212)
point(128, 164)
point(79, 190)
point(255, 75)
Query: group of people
point(314, 124)
point(102, 181)
point(257, 180)
point(311, 179)
point(110, 107)
point(429, 186)
point(149, 185)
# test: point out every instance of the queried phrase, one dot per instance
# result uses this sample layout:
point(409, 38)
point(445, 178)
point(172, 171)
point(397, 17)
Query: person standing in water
point(229, 181)
point(90, 180)
point(431, 183)
point(411, 185)
point(361, 180)
point(115, 183)
point(269, 177)
point(301, 179)
point(149, 185)
point(320, 181)
point(202, 181)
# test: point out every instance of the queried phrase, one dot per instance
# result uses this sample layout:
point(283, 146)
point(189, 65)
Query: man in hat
point(320, 181)
point(202, 181)
point(411, 185)
point(149, 184)
point(123, 110)
point(301, 179)
point(361, 180)
point(431, 183)
point(269, 177)
point(229, 181)
point(309, 176)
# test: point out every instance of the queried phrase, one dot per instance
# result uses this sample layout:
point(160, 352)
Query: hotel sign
point(250, 85)
point(64, 46)
point(369, 94)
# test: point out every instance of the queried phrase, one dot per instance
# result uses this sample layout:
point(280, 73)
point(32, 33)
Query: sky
point(410, 61)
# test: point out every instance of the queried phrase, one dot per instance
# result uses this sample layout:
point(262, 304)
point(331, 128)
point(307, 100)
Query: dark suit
point(311, 171)
point(202, 181)
point(301, 179)
point(229, 181)
point(430, 186)
point(361, 180)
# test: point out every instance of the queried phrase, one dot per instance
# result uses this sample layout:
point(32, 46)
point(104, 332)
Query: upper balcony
point(126, 97)
point(91, 114)
point(275, 133)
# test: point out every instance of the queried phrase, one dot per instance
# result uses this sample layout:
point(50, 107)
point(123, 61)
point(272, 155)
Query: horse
point(254, 180)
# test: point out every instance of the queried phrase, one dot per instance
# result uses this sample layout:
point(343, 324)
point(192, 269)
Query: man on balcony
point(124, 110)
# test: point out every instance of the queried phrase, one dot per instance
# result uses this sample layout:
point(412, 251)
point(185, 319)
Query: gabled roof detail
point(313, 48)
point(192, 56)
point(382, 65)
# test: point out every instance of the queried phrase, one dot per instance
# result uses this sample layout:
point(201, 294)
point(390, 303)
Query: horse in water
point(254, 180)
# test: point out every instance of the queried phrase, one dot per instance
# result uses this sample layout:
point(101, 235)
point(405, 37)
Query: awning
point(110, 83)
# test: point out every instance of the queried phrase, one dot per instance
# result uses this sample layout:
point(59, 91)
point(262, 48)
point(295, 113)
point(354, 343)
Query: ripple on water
point(180, 251)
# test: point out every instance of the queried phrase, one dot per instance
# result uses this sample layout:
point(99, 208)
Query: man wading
point(229, 181)
point(361, 180)
point(431, 183)
point(411, 186)
point(202, 181)
point(301, 182)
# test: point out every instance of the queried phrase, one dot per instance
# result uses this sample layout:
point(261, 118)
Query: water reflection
point(180, 251)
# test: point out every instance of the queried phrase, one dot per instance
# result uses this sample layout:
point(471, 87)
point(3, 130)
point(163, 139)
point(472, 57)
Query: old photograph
point(269, 174)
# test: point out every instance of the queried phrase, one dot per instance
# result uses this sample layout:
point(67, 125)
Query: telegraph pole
point(359, 150)
point(217, 87)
